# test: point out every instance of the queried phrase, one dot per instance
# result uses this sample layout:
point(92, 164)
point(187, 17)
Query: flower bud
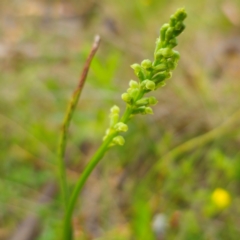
point(176, 55)
point(143, 110)
point(160, 84)
point(139, 71)
point(121, 127)
point(141, 76)
point(148, 110)
point(133, 84)
point(160, 76)
point(173, 42)
point(168, 75)
point(115, 109)
point(158, 55)
point(160, 67)
point(146, 64)
point(148, 85)
point(167, 52)
point(169, 33)
point(142, 102)
point(179, 29)
point(172, 21)
point(147, 101)
point(133, 93)
point(136, 67)
point(172, 64)
point(179, 26)
point(163, 30)
point(126, 98)
point(181, 14)
point(152, 101)
point(119, 140)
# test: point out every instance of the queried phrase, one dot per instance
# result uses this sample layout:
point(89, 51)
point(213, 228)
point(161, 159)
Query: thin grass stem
point(66, 122)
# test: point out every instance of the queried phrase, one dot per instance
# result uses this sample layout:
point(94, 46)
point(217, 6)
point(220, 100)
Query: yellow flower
point(221, 198)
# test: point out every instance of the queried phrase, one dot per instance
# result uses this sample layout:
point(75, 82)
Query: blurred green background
point(189, 148)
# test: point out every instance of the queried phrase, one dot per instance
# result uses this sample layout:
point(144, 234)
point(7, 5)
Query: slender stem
point(79, 185)
point(66, 122)
point(84, 176)
point(126, 115)
point(61, 167)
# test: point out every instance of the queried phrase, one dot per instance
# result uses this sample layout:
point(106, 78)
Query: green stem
point(84, 176)
point(61, 168)
point(81, 181)
point(126, 115)
point(62, 145)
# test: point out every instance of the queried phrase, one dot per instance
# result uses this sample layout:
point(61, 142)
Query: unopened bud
point(169, 33)
point(142, 102)
point(167, 52)
point(160, 76)
point(143, 110)
point(121, 127)
point(147, 101)
point(150, 85)
point(173, 20)
point(172, 64)
point(126, 98)
point(152, 101)
point(119, 140)
point(161, 84)
point(146, 64)
point(141, 76)
point(173, 42)
point(180, 30)
point(163, 30)
point(136, 67)
point(179, 26)
point(160, 67)
point(133, 84)
point(176, 55)
point(180, 14)
point(148, 110)
point(115, 109)
point(139, 71)
point(134, 93)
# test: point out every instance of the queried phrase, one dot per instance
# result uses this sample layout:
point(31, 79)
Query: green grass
point(203, 93)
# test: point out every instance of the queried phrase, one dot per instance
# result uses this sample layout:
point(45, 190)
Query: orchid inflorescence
point(151, 76)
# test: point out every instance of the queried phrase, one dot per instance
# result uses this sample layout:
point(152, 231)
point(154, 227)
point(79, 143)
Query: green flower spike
point(151, 76)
